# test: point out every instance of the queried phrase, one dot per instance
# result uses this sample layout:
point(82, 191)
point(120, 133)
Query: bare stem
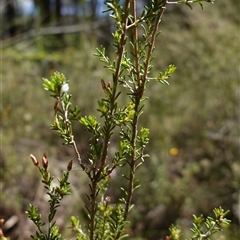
point(93, 208)
point(78, 154)
point(67, 122)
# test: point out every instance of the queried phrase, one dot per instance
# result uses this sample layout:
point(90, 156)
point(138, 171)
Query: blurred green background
point(194, 163)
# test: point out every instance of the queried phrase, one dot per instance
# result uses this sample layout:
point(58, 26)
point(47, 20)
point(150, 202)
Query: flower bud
point(108, 199)
point(34, 160)
point(103, 84)
point(109, 85)
point(1, 234)
point(56, 105)
point(69, 166)
point(44, 161)
point(64, 88)
point(1, 222)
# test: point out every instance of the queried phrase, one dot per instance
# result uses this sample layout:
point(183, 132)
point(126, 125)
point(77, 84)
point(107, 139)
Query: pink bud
point(34, 160)
point(1, 222)
point(109, 85)
point(1, 233)
point(44, 161)
point(56, 105)
point(103, 84)
point(69, 166)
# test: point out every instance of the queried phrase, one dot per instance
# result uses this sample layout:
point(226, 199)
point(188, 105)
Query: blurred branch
point(224, 133)
point(33, 33)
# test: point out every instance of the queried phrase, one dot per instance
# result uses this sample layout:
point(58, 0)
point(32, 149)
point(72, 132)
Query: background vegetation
point(194, 123)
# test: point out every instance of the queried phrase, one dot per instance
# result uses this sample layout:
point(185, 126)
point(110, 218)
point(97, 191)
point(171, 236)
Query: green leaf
point(55, 83)
point(90, 123)
point(144, 135)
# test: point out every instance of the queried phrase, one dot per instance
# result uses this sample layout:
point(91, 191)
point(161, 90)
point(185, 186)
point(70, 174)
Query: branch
point(189, 1)
point(33, 33)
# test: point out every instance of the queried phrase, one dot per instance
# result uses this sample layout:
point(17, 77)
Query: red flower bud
point(1, 233)
point(35, 161)
point(109, 85)
point(56, 105)
point(44, 161)
point(1, 224)
point(103, 84)
point(69, 166)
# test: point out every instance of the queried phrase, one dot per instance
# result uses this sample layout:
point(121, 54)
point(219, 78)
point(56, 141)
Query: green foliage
point(56, 194)
point(204, 171)
point(189, 2)
point(175, 232)
point(129, 70)
point(212, 225)
point(55, 84)
point(203, 228)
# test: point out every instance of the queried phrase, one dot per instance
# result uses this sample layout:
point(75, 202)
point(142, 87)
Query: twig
point(33, 33)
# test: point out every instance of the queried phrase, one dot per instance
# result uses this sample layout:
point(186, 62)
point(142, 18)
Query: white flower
point(64, 88)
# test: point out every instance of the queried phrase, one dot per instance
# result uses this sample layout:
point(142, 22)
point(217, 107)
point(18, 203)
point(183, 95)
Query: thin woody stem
point(109, 122)
point(152, 41)
point(109, 126)
point(135, 40)
point(137, 98)
point(68, 124)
